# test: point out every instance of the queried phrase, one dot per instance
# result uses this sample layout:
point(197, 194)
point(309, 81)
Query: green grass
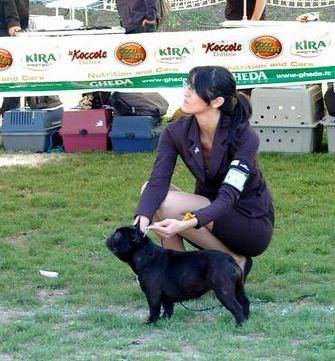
point(56, 217)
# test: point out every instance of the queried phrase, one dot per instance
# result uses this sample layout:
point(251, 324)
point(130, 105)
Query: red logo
point(87, 55)
point(222, 47)
point(6, 59)
point(131, 53)
point(266, 47)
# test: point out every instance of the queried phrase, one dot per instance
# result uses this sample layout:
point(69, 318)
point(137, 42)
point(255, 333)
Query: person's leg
point(175, 242)
point(175, 205)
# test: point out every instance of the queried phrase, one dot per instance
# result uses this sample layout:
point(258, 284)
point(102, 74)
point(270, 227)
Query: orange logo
point(131, 53)
point(6, 59)
point(266, 47)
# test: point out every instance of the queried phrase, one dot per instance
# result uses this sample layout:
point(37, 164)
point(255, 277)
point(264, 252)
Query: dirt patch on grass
point(130, 311)
point(8, 315)
point(187, 351)
point(20, 240)
point(5, 358)
point(27, 159)
point(50, 296)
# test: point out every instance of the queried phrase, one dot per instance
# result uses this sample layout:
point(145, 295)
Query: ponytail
point(240, 115)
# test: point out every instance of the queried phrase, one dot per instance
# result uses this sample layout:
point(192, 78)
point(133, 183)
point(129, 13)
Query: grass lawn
point(56, 217)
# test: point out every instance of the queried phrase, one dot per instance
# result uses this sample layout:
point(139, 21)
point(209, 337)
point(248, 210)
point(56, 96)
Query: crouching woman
point(231, 209)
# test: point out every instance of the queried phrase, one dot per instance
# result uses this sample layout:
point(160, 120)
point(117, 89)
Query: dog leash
point(200, 310)
point(302, 297)
point(146, 230)
point(298, 299)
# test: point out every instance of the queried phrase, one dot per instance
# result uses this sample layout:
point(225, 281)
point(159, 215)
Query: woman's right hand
point(143, 221)
point(169, 227)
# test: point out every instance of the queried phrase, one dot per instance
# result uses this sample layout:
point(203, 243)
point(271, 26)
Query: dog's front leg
point(154, 308)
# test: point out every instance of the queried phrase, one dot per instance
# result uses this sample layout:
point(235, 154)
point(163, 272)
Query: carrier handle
point(83, 132)
point(130, 135)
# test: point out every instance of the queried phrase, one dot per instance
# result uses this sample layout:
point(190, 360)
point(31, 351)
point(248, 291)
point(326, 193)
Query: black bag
point(43, 102)
point(94, 100)
point(138, 104)
point(330, 99)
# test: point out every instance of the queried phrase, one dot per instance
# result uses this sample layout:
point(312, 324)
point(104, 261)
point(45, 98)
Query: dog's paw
point(240, 322)
point(151, 321)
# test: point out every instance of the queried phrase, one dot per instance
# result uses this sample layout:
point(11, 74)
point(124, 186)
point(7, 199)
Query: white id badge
point(236, 178)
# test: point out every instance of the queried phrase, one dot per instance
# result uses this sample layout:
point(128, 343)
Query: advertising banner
point(274, 55)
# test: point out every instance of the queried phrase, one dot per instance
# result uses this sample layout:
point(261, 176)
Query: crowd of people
point(136, 16)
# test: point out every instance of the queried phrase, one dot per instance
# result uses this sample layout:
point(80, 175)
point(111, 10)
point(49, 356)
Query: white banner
point(273, 54)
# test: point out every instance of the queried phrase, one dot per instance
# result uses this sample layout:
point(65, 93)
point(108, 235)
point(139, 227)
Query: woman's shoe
point(247, 268)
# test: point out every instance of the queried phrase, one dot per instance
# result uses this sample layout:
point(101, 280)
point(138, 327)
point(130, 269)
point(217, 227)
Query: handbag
point(43, 102)
point(138, 104)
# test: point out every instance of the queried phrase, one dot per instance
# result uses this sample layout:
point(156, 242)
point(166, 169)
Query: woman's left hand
point(149, 22)
point(13, 30)
point(169, 227)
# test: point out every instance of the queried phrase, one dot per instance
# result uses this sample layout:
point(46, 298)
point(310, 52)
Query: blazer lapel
point(220, 144)
point(196, 158)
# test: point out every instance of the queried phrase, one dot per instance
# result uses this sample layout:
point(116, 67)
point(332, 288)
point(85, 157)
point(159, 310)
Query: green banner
point(283, 76)
point(177, 80)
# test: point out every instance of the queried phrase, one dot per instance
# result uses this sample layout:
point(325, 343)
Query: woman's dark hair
point(210, 82)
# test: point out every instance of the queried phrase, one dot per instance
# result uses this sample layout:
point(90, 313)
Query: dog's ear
point(137, 226)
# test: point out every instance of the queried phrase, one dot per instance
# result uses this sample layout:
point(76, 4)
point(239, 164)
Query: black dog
point(168, 276)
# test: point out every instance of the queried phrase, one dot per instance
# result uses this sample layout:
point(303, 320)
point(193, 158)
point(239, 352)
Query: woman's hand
point(144, 222)
point(13, 30)
point(169, 227)
point(149, 22)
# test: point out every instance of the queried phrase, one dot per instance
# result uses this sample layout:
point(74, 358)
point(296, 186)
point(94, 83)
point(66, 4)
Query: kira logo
point(311, 47)
point(40, 61)
point(174, 54)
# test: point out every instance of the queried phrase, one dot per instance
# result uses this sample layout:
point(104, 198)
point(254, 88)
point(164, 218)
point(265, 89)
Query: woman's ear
point(217, 102)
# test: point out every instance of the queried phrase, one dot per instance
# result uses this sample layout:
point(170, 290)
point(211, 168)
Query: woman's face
point(193, 104)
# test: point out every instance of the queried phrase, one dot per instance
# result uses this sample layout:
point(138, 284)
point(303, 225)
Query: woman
point(231, 209)
point(138, 16)
point(255, 9)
